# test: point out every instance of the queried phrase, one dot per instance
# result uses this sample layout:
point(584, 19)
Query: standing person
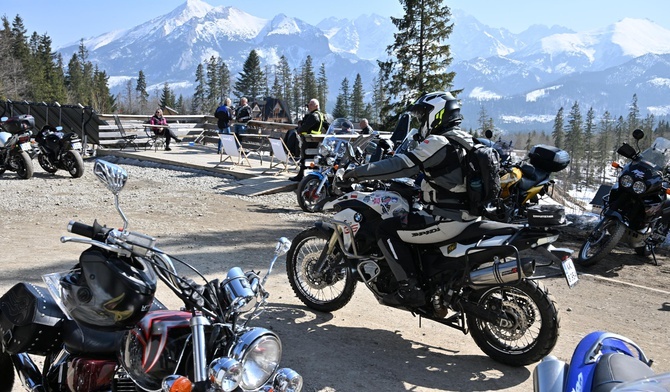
point(443, 190)
point(223, 115)
point(312, 124)
point(158, 119)
point(366, 129)
point(242, 116)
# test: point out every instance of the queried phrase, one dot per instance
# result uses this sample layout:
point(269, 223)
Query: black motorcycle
point(99, 327)
point(15, 145)
point(637, 209)
point(58, 150)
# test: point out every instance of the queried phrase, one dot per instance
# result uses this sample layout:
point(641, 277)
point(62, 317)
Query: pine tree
point(485, 121)
point(309, 82)
point(13, 84)
point(167, 97)
point(251, 81)
point(633, 118)
point(557, 134)
point(573, 141)
point(357, 105)
point(199, 96)
point(589, 130)
point(212, 90)
point(419, 57)
point(322, 87)
point(343, 99)
point(141, 91)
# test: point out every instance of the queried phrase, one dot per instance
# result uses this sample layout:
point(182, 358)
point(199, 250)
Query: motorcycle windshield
point(53, 283)
point(658, 154)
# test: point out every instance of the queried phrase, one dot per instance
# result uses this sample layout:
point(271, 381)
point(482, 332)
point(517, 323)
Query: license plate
point(570, 272)
point(26, 147)
point(76, 146)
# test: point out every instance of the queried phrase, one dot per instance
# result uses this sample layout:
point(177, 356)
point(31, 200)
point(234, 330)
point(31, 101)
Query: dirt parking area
point(362, 347)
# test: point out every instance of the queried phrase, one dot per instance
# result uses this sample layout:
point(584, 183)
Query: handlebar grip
point(81, 229)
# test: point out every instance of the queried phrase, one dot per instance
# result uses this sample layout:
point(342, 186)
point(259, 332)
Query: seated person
point(347, 128)
point(158, 119)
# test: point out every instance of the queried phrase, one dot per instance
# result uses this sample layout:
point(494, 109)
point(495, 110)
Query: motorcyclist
point(442, 187)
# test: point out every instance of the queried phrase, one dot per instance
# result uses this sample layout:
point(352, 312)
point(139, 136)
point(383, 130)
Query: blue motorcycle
point(602, 362)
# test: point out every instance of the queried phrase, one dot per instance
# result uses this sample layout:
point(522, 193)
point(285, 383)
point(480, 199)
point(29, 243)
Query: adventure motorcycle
point(318, 185)
point(636, 210)
point(15, 145)
point(59, 150)
point(601, 362)
point(524, 183)
point(100, 328)
point(476, 281)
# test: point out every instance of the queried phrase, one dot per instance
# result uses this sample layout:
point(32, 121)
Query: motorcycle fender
point(609, 213)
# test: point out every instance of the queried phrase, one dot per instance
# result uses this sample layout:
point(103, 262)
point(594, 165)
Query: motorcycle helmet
point(108, 292)
point(436, 112)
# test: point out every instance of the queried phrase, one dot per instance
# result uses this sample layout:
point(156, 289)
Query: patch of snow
point(483, 95)
point(534, 95)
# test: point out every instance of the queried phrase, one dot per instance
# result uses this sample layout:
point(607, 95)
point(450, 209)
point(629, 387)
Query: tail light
point(616, 165)
point(24, 138)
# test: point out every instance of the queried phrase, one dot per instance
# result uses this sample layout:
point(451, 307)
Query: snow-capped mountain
point(518, 78)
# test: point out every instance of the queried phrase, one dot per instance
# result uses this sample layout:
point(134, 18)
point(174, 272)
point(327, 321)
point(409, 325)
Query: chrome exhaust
point(505, 272)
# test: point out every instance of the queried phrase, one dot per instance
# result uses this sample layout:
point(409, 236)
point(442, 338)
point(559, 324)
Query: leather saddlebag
point(30, 320)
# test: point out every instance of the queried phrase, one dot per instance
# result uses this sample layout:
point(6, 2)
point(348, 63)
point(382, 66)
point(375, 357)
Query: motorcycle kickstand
point(653, 255)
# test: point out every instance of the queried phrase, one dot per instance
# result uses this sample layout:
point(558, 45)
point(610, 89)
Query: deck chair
point(229, 148)
point(126, 139)
point(282, 156)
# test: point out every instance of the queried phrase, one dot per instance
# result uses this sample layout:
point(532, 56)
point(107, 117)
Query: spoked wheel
point(601, 241)
point(6, 372)
point(46, 164)
point(308, 197)
point(529, 331)
point(73, 163)
point(326, 289)
point(23, 165)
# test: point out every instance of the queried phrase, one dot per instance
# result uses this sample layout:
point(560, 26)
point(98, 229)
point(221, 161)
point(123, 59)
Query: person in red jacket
point(158, 119)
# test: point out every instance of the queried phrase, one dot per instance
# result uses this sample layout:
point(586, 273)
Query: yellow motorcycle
point(524, 183)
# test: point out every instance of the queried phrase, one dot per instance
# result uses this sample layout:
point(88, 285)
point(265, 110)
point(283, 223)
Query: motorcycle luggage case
point(13, 124)
point(547, 215)
point(30, 320)
point(549, 158)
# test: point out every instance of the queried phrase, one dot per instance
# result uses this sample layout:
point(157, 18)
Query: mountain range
point(520, 80)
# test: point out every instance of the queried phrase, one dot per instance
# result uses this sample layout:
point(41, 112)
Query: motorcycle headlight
point(639, 187)
point(226, 373)
point(287, 380)
point(330, 161)
point(259, 350)
point(626, 181)
point(325, 148)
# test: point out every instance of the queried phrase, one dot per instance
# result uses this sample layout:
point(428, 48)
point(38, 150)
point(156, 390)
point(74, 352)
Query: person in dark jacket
point(158, 119)
point(223, 116)
point(366, 129)
point(242, 116)
point(314, 123)
point(443, 188)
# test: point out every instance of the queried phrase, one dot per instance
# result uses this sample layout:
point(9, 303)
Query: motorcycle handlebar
point(81, 229)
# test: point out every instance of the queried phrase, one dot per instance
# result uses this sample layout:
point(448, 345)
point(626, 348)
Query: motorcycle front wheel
point(6, 372)
point(327, 289)
point(530, 330)
point(308, 197)
point(23, 165)
point(46, 164)
point(73, 163)
point(601, 241)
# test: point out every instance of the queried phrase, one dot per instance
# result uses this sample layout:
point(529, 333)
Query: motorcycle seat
point(613, 369)
point(477, 230)
point(532, 176)
point(80, 340)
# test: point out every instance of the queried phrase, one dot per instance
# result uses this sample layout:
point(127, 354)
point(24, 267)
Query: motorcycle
point(601, 362)
point(636, 210)
point(15, 145)
point(475, 281)
point(58, 150)
point(318, 185)
point(100, 327)
point(524, 183)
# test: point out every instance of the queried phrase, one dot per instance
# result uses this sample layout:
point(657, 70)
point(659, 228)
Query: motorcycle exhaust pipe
point(550, 375)
point(505, 272)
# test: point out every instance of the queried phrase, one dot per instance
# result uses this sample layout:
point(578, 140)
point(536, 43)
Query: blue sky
point(69, 21)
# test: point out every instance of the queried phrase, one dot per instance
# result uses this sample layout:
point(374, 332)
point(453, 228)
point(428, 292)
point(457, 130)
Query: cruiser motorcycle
point(636, 210)
point(59, 150)
point(15, 145)
point(475, 281)
point(524, 183)
point(601, 362)
point(99, 326)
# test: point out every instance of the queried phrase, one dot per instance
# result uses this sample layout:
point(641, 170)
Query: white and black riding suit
point(443, 190)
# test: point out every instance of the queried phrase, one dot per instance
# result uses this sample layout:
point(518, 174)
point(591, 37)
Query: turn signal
point(176, 383)
point(616, 165)
point(667, 191)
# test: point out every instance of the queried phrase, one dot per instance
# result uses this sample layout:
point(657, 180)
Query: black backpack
point(481, 168)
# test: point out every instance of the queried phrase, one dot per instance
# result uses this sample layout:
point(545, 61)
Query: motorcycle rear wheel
point(6, 372)
point(24, 165)
point(73, 163)
point(324, 291)
point(534, 322)
point(46, 164)
point(308, 198)
point(601, 241)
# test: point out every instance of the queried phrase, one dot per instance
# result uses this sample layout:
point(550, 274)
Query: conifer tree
point(557, 134)
point(167, 97)
point(419, 57)
point(309, 82)
point(343, 98)
point(357, 105)
point(589, 130)
point(573, 141)
point(322, 87)
point(198, 104)
point(141, 91)
point(251, 81)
